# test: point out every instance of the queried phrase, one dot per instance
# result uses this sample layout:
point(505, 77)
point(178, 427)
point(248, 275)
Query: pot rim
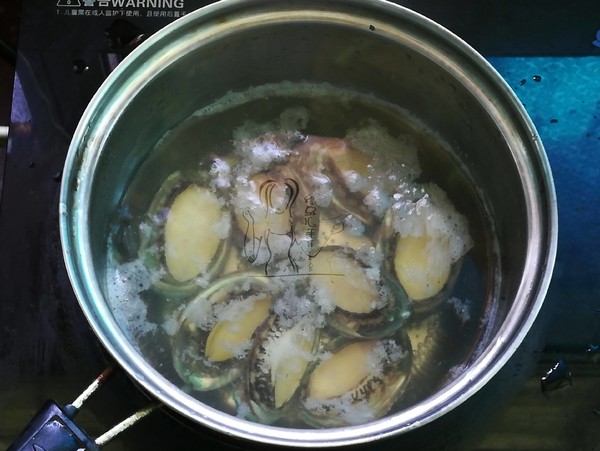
point(169, 43)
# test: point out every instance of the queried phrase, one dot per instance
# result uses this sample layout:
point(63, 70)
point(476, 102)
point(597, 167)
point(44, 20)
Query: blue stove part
point(562, 97)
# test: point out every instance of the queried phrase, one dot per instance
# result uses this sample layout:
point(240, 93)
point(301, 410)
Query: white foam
point(321, 297)
point(322, 190)
point(170, 326)
point(376, 359)
point(221, 173)
point(394, 352)
point(223, 226)
point(378, 201)
point(353, 225)
point(200, 313)
point(285, 347)
point(426, 211)
point(354, 181)
point(462, 308)
point(125, 283)
point(292, 307)
point(345, 407)
point(258, 153)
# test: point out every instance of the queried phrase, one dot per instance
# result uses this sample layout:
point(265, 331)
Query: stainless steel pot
point(368, 46)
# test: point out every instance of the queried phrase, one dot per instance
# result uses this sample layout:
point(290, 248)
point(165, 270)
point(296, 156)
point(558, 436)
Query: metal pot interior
point(368, 47)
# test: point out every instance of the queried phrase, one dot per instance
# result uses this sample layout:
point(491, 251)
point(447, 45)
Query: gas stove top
point(549, 55)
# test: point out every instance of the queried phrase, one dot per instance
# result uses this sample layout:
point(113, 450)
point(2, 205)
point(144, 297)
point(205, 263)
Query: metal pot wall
point(370, 47)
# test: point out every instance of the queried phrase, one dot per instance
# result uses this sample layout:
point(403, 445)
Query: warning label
point(124, 8)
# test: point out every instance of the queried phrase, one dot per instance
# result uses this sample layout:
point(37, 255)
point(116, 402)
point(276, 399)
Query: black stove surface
point(548, 53)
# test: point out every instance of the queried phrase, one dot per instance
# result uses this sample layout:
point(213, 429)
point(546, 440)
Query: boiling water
point(346, 177)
